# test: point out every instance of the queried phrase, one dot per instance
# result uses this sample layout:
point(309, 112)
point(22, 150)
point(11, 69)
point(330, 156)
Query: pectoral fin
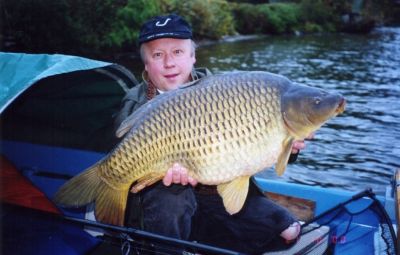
point(284, 156)
point(234, 193)
point(147, 180)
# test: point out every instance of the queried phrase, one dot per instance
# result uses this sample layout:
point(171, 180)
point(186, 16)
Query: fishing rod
point(135, 233)
point(138, 239)
point(129, 232)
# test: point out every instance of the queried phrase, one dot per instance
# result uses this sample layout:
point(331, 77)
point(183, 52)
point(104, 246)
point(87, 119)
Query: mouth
point(341, 106)
point(171, 76)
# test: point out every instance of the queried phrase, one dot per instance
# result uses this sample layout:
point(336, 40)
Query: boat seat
point(312, 242)
point(304, 209)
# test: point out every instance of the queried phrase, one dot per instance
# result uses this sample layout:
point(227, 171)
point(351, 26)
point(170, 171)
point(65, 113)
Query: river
point(358, 149)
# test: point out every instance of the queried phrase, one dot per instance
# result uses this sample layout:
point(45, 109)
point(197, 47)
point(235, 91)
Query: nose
point(169, 61)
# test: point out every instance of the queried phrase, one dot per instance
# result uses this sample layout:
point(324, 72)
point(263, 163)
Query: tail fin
point(80, 190)
point(110, 202)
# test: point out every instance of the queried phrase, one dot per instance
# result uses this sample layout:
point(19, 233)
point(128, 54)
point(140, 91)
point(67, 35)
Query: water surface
point(358, 149)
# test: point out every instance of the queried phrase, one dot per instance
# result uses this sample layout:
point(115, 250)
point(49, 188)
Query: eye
point(157, 55)
point(178, 52)
point(317, 100)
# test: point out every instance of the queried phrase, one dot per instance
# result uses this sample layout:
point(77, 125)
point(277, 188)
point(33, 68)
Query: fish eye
point(317, 100)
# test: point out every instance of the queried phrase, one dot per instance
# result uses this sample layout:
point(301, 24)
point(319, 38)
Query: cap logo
point(158, 24)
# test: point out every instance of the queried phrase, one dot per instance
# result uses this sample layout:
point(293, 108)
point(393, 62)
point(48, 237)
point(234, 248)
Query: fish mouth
point(341, 107)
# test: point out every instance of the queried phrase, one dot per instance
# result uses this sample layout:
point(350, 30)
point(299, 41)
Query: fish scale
point(223, 129)
point(210, 120)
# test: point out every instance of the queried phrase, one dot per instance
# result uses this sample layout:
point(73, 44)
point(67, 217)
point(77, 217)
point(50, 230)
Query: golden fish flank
point(223, 129)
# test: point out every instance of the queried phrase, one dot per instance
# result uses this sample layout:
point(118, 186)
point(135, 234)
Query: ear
point(194, 57)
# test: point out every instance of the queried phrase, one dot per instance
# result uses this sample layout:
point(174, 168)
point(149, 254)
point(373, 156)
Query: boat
point(54, 108)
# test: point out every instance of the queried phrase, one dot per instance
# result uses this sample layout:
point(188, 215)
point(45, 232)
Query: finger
point(295, 151)
point(291, 232)
point(310, 136)
point(192, 181)
point(184, 179)
point(176, 175)
point(182, 170)
point(167, 180)
point(299, 145)
point(183, 175)
point(175, 166)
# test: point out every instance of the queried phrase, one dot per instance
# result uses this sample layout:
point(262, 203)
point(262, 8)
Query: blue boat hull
point(48, 168)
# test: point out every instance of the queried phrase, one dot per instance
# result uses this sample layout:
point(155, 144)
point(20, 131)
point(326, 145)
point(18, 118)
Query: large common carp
point(223, 129)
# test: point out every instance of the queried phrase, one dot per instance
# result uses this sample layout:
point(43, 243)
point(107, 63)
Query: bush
point(248, 19)
point(318, 16)
point(126, 27)
point(312, 28)
point(91, 22)
point(209, 19)
point(266, 18)
point(283, 17)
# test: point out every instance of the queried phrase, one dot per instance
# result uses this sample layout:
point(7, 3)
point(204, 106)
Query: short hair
point(142, 55)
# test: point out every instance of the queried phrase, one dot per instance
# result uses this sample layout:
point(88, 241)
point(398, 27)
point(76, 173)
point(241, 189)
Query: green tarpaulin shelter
point(61, 100)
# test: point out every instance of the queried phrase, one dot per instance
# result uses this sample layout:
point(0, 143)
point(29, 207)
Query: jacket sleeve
point(293, 157)
point(135, 98)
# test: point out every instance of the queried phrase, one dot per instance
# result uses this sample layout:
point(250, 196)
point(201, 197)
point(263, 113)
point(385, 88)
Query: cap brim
point(182, 35)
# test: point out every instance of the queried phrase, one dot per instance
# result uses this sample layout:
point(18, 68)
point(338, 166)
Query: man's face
point(168, 62)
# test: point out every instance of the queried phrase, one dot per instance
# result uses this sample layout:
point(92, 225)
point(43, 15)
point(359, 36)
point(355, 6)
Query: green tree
point(91, 22)
point(266, 18)
point(125, 29)
point(209, 18)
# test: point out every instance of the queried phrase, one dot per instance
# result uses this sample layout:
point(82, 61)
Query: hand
point(300, 144)
point(178, 174)
point(292, 232)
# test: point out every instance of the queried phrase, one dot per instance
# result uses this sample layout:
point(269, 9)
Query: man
point(194, 211)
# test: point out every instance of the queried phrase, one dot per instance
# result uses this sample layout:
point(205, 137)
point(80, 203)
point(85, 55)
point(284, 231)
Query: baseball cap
point(169, 26)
